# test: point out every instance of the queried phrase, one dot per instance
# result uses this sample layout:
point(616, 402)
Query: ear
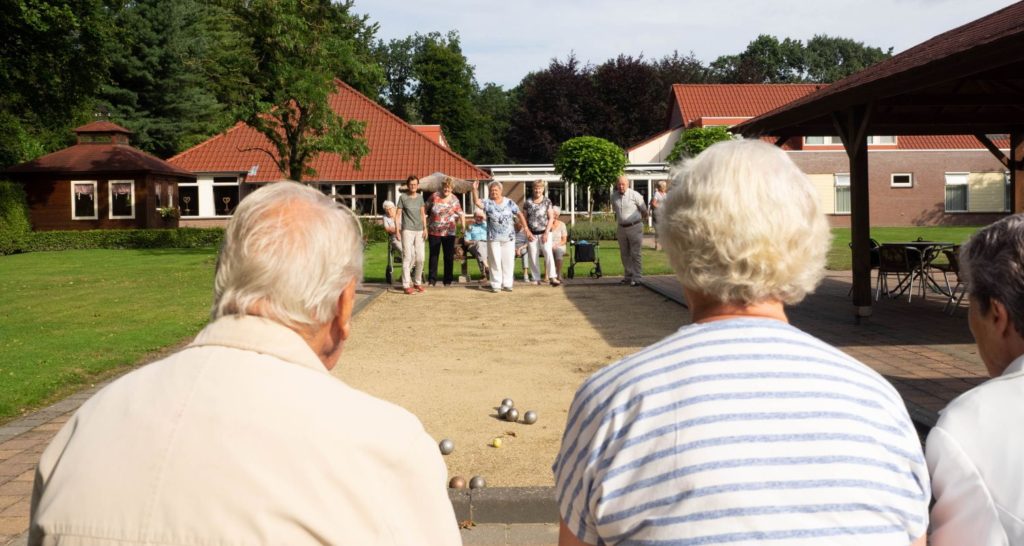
point(346, 302)
point(1000, 318)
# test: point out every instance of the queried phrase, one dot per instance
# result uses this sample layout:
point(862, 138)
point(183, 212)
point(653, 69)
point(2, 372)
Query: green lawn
point(71, 318)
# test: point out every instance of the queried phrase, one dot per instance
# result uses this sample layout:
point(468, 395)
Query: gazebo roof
point(92, 158)
point(101, 127)
point(969, 80)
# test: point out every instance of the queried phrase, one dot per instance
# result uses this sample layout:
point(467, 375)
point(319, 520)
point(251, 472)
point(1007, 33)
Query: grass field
point(71, 318)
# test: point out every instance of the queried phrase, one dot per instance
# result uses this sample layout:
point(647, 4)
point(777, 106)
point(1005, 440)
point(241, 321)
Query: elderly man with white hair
point(976, 451)
point(740, 428)
point(243, 437)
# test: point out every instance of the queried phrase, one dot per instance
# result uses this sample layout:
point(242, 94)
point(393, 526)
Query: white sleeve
point(964, 512)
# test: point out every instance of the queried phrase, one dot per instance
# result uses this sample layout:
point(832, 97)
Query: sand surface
point(451, 355)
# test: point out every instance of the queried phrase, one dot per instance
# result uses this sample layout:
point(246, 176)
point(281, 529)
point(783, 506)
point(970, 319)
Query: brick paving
point(929, 356)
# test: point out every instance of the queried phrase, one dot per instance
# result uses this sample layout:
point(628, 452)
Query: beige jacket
point(241, 438)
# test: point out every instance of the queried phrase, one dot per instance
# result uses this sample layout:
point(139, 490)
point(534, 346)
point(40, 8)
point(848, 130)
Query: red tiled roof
point(433, 132)
point(396, 150)
point(102, 127)
point(696, 101)
point(96, 158)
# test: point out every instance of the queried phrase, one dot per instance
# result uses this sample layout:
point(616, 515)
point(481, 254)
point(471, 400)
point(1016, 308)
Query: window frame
point(95, 200)
point(874, 140)
point(836, 177)
point(214, 184)
point(177, 201)
point(894, 184)
point(110, 199)
point(967, 191)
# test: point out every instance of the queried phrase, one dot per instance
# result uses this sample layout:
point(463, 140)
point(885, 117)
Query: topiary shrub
point(14, 224)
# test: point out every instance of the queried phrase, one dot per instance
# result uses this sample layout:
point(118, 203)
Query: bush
point(373, 230)
point(14, 224)
point(593, 231)
point(694, 141)
point(41, 241)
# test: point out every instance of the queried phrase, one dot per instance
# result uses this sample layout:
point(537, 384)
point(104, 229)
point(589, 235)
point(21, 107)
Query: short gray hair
point(289, 251)
point(557, 210)
point(743, 225)
point(992, 264)
point(493, 183)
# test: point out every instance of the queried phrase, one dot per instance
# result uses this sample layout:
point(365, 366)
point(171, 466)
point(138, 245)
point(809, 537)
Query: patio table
point(929, 251)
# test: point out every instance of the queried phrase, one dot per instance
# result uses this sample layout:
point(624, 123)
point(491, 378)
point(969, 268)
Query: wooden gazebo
point(100, 182)
point(969, 80)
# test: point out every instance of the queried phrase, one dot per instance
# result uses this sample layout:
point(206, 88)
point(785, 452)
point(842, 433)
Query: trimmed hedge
point(14, 224)
point(373, 231)
point(596, 231)
point(41, 241)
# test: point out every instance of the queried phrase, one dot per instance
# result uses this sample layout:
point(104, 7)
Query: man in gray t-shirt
point(412, 231)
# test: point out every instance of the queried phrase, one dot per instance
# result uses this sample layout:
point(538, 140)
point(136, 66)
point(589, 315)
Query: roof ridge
point(408, 126)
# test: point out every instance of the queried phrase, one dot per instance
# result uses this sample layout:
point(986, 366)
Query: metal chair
point(956, 293)
point(905, 263)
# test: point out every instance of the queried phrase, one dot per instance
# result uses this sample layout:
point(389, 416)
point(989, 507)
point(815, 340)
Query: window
point(225, 195)
point(83, 200)
point(823, 140)
point(121, 194)
point(188, 199)
point(956, 192)
point(842, 193)
point(901, 180)
point(876, 139)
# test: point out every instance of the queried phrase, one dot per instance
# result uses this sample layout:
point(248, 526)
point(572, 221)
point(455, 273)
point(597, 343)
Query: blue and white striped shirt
point(741, 431)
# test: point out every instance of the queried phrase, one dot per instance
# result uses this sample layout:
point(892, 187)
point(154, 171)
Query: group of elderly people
point(491, 239)
point(737, 429)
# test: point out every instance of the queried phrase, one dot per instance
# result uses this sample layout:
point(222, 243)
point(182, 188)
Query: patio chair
point(956, 293)
point(904, 263)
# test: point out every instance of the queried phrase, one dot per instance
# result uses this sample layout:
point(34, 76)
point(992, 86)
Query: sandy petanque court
point(451, 355)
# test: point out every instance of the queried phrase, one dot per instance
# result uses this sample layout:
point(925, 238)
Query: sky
point(508, 39)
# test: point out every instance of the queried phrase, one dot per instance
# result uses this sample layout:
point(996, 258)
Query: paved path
point(929, 356)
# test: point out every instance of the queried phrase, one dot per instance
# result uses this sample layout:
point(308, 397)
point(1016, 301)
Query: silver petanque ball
point(447, 446)
point(508, 402)
point(502, 410)
point(477, 482)
point(530, 417)
point(512, 415)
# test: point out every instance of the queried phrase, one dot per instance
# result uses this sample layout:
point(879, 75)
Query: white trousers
point(501, 257)
point(412, 256)
point(535, 247)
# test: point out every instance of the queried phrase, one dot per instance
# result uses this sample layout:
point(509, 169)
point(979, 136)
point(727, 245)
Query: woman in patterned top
point(444, 210)
point(539, 217)
point(501, 234)
point(656, 201)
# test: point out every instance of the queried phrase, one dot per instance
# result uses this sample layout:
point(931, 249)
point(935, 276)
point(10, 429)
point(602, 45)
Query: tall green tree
point(765, 60)
point(632, 100)
point(493, 106)
point(54, 55)
point(395, 57)
point(178, 75)
point(300, 47)
point(444, 88)
point(831, 58)
point(590, 163)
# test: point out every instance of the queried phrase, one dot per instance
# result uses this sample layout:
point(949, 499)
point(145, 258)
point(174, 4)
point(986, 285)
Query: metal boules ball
point(512, 415)
point(458, 482)
point(502, 410)
point(530, 417)
point(477, 482)
point(446, 446)
point(508, 402)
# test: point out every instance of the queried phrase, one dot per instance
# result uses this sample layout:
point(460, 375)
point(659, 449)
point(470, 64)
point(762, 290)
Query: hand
point(476, 185)
point(544, 237)
point(529, 236)
point(425, 234)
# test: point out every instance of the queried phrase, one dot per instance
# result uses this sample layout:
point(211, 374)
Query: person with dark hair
point(412, 231)
point(974, 456)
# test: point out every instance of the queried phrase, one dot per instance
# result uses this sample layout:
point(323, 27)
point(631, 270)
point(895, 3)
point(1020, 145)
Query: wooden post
point(852, 125)
point(1017, 170)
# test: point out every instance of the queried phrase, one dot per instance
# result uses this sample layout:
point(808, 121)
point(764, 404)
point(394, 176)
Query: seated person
point(475, 242)
point(391, 228)
point(557, 238)
point(522, 247)
point(973, 456)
